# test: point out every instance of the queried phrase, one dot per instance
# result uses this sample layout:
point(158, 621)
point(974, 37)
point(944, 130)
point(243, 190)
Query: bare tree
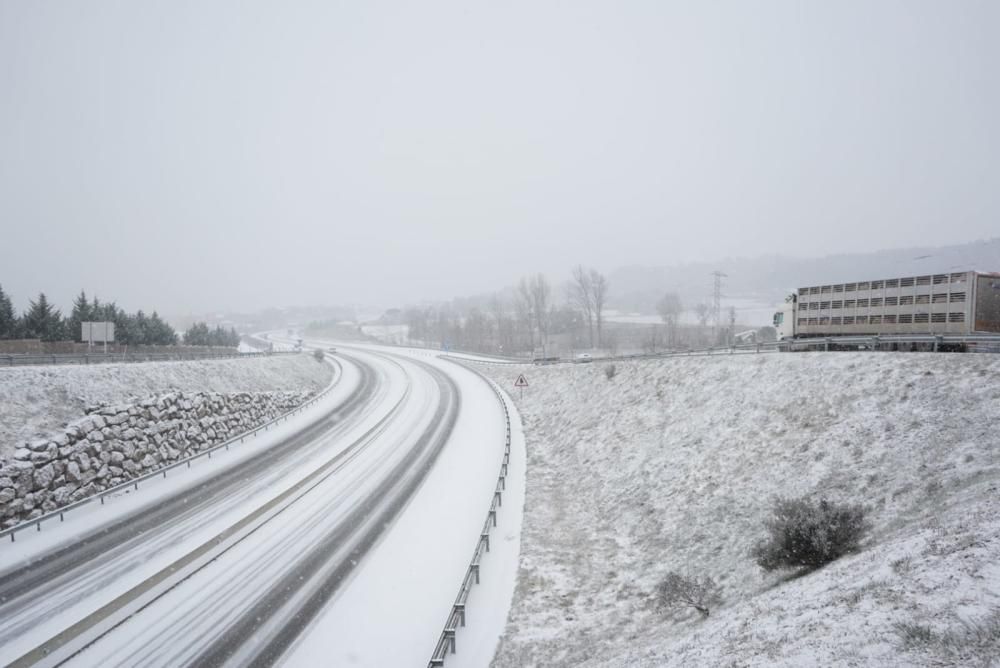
point(679, 591)
point(599, 291)
point(541, 296)
point(670, 309)
point(703, 311)
point(498, 309)
point(581, 295)
point(522, 307)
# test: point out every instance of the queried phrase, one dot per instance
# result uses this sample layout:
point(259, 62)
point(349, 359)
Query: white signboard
point(97, 332)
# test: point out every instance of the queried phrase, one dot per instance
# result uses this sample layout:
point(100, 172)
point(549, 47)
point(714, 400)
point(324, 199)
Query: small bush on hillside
point(610, 371)
point(678, 591)
point(806, 534)
point(318, 354)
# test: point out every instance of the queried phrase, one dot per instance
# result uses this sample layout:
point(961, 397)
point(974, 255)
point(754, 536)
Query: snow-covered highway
point(342, 536)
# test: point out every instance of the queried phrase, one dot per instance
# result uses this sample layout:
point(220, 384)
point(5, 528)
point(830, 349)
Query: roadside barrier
point(456, 618)
point(973, 343)
point(32, 359)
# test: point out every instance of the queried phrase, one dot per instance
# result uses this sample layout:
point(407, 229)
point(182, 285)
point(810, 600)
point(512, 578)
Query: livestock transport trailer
point(955, 304)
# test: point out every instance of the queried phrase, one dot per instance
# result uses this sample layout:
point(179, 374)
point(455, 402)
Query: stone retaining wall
point(114, 444)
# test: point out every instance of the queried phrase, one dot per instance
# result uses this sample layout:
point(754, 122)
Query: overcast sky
point(211, 155)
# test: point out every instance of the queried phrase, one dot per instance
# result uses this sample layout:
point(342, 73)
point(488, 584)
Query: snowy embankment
point(37, 401)
point(671, 465)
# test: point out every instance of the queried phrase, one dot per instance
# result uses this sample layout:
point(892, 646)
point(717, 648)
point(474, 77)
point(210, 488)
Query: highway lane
point(165, 587)
point(239, 567)
point(269, 586)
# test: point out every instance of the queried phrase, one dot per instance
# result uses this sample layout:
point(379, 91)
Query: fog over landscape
point(569, 334)
point(229, 155)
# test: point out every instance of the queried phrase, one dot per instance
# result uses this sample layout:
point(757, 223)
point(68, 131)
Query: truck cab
point(784, 320)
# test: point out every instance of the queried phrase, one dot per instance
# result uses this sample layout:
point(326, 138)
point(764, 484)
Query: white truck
point(953, 304)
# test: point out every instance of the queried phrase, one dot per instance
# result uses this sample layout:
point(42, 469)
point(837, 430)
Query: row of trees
point(199, 334)
point(521, 319)
point(531, 318)
point(42, 320)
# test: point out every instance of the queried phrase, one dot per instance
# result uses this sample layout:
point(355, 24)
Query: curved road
point(231, 567)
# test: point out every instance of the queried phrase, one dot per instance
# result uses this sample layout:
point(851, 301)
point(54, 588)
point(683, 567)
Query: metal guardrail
point(982, 342)
point(35, 359)
point(456, 618)
point(498, 359)
point(162, 472)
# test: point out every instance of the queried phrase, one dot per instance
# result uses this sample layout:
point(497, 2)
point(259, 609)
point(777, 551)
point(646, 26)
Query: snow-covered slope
point(35, 401)
point(671, 465)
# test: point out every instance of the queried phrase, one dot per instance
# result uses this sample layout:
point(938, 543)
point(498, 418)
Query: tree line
point(199, 334)
point(534, 317)
point(42, 320)
point(521, 319)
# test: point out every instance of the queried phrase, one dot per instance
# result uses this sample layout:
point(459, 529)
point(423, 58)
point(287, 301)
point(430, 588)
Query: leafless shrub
point(805, 534)
point(610, 371)
point(679, 591)
point(318, 355)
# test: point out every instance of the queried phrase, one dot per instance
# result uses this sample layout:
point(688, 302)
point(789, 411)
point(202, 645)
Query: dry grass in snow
point(672, 465)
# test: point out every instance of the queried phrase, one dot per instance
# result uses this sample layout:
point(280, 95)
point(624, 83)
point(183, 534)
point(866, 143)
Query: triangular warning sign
point(521, 381)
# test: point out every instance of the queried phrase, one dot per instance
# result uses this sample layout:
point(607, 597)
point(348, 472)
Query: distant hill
point(770, 278)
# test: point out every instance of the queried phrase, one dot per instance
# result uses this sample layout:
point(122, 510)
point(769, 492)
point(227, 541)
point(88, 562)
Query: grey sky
point(195, 155)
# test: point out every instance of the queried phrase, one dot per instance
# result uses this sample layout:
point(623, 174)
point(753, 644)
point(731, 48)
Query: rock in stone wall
point(113, 444)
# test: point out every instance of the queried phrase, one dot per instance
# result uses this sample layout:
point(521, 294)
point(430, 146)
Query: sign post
point(97, 332)
point(521, 383)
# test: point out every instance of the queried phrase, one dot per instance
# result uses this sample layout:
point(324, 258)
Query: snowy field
point(35, 401)
point(672, 465)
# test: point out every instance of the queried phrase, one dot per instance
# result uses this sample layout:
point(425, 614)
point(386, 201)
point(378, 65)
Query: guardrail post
point(450, 635)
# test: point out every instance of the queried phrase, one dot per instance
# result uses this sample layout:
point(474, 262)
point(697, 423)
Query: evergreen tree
point(140, 328)
point(42, 320)
point(163, 334)
point(198, 335)
point(8, 317)
point(80, 314)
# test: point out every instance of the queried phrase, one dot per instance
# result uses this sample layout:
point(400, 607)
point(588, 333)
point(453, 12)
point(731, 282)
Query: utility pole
point(717, 304)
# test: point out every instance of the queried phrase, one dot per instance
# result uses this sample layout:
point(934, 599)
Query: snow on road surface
point(35, 401)
point(394, 609)
point(671, 465)
point(196, 556)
